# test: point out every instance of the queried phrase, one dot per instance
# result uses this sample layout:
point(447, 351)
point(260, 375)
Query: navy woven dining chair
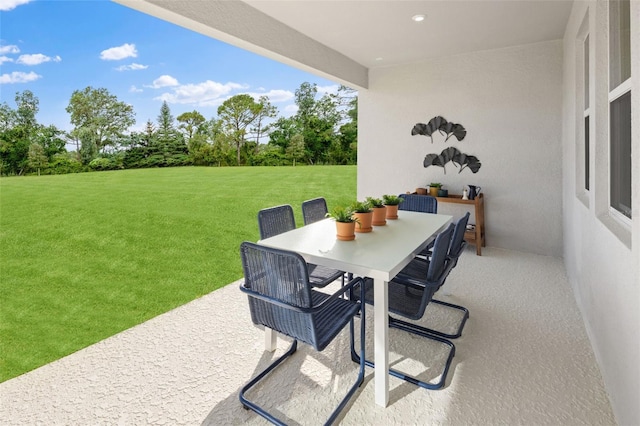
point(281, 298)
point(409, 299)
point(418, 203)
point(457, 240)
point(421, 204)
point(276, 220)
point(419, 266)
point(314, 210)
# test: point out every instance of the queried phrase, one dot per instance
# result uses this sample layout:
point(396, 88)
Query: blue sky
point(54, 47)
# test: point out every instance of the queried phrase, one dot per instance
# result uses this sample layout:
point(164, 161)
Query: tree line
point(245, 131)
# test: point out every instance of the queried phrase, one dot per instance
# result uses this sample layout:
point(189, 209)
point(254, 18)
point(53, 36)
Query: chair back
point(276, 220)
point(457, 240)
point(409, 298)
point(314, 210)
point(279, 290)
point(418, 203)
point(437, 271)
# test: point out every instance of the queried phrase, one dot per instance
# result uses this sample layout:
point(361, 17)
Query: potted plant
point(345, 223)
point(433, 188)
point(379, 211)
point(364, 214)
point(391, 203)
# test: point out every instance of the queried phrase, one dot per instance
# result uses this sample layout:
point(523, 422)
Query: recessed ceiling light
point(378, 59)
point(418, 18)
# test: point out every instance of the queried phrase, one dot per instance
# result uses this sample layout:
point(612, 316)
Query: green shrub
point(62, 164)
point(102, 163)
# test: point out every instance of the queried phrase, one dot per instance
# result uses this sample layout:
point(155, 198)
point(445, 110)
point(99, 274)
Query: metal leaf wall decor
point(439, 124)
point(448, 129)
point(458, 158)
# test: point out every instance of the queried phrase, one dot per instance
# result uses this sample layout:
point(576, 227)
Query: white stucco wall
point(509, 101)
point(603, 266)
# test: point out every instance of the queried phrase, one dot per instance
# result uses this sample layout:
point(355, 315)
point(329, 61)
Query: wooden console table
point(475, 237)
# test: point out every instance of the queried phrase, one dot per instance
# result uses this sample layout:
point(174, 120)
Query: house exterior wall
point(509, 101)
point(602, 258)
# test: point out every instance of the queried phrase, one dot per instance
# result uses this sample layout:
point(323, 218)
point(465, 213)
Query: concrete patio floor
point(524, 358)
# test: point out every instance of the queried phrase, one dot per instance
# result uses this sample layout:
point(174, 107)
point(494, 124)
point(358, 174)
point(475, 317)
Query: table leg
point(270, 339)
point(381, 336)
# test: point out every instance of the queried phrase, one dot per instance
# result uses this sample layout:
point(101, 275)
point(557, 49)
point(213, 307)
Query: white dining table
point(379, 254)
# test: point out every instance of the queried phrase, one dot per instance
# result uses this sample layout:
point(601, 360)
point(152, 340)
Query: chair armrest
point(414, 283)
point(319, 307)
point(462, 246)
point(339, 293)
point(271, 300)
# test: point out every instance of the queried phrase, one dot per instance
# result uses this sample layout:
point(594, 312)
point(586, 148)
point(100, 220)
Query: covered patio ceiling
point(382, 33)
point(343, 40)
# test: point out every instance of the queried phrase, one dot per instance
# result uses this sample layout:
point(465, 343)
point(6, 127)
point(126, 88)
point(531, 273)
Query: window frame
point(586, 120)
point(620, 90)
point(585, 106)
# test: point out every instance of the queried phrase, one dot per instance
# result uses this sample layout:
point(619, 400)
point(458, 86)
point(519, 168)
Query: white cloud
point(121, 52)
point(134, 89)
point(36, 59)
point(208, 93)
point(18, 77)
point(10, 48)
point(6, 5)
point(132, 67)
point(164, 81)
point(332, 89)
point(274, 95)
point(290, 110)
point(4, 59)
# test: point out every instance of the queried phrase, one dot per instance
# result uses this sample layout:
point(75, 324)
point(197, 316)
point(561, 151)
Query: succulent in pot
point(345, 222)
point(391, 202)
point(363, 212)
point(379, 211)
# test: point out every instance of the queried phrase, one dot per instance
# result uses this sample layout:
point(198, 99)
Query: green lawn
point(84, 256)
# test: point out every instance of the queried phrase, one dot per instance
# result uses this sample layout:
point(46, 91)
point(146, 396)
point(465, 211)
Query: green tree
point(168, 147)
point(7, 117)
point(193, 127)
point(282, 130)
point(51, 139)
point(265, 112)
point(18, 132)
point(317, 121)
point(37, 159)
point(72, 138)
point(88, 147)
point(223, 151)
point(305, 99)
point(147, 137)
point(166, 130)
point(348, 135)
point(99, 118)
point(347, 102)
point(237, 114)
point(14, 151)
point(28, 107)
point(295, 150)
point(191, 123)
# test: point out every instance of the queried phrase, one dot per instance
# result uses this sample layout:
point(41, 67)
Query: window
point(620, 107)
point(586, 112)
point(586, 151)
point(620, 145)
